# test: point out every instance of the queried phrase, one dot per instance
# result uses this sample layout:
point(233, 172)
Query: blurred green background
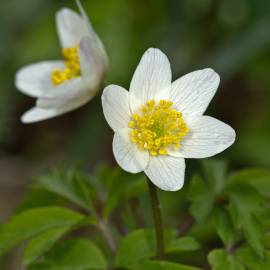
point(231, 36)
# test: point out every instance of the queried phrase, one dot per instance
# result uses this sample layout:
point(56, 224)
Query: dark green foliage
point(237, 205)
point(201, 197)
point(245, 202)
point(34, 222)
point(231, 214)
point(250, 260)
point(224, 226)
point(79, 254)
point(140, 245)
point(70, 184)
point(42, 243)
point(163, 265)
point(220, 260)
point(122, 186)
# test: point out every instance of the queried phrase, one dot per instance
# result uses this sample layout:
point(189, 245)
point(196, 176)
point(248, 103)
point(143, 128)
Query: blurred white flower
point(62, 86)
point(159, 123)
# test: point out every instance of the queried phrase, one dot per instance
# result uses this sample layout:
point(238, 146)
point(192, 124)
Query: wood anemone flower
point(158, 123)
point(64, 85)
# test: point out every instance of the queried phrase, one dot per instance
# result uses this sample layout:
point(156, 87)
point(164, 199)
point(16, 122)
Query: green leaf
point(224, 226)
point(42, 243)
point(38, 197)
point(122, 187)
point(201, 198)
point(162, 265)
point(219, 259)
point(104, 173)
point(33, 222)
point(266, 240)
point(251, 261)
point(258, 178)
point(264, 219)
point(79, 254)
point(139, 245)
point(215, 173)
point(183, 244)
point(245, 201)
point(40, 266)
point(71, 184)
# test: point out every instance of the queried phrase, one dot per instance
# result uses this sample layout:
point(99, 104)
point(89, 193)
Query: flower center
point(157, 126)
point(72, 69)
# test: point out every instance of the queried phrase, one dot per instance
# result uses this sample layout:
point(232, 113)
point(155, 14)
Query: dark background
point(231, 36)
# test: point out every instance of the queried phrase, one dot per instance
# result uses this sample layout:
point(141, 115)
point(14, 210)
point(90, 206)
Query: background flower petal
point(207, 137)
point(92, 34)
point(65, 93)
point(37, 114)
point(93, 63)
point(152, 78)
point(166, 172)
point(127, 154)
point(71, 27)
point(193, 92)
point(34, 80)
point(115, 103)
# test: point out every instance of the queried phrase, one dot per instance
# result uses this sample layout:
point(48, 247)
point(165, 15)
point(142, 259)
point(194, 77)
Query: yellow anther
point(72, 69)
point(131, 124)
point(157, 127)
point(163, 151)
point(153, 153)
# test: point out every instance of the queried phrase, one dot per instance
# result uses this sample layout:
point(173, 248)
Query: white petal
point(38, 114)
point(127, 154)
point(115, 103)
point(92, 62)
point(92, 69)
point(152, 78)
point(168, 173)
point(207, 137)
point(63, 94)
point(193, 92)
point(35, 79)
point(71, 27)
point(92, 33)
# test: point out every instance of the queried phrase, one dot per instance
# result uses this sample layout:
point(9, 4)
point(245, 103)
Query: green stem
point(103, 226)
point(157, 219)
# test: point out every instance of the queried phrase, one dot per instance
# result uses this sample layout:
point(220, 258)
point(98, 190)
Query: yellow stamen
point(72, 69)
point(157, 127)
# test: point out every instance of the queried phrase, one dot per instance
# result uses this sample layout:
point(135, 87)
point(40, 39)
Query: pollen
point(157, 127)
point(72, 67)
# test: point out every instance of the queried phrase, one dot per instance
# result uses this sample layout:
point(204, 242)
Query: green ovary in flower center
point(157, 126)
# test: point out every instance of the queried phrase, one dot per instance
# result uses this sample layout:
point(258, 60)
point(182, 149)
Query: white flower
point(62, 86)
point(159, 123)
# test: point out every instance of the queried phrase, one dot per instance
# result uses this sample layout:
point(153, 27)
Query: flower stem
point(104, 228)
point(157, 219)
point(108, 236)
